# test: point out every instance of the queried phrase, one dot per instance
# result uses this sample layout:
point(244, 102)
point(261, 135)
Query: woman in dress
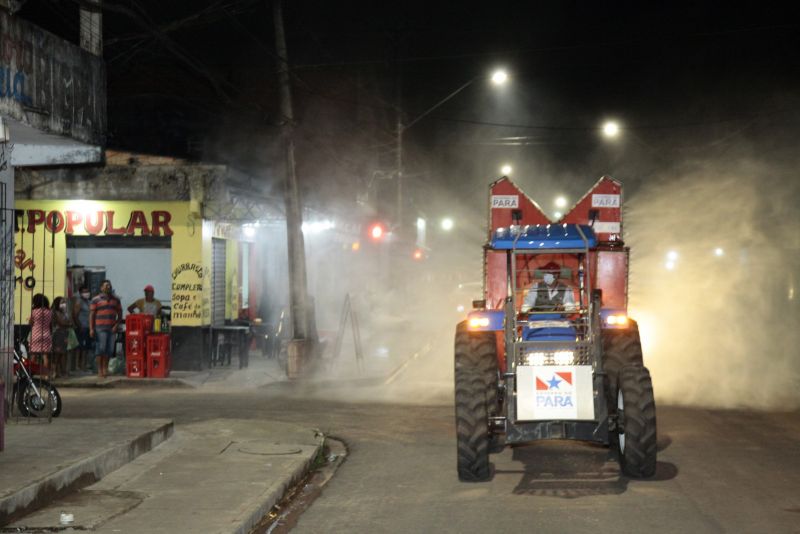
point(62, 324)
point(41, 321)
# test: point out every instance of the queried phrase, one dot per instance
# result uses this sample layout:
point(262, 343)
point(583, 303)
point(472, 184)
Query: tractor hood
point(543, 237)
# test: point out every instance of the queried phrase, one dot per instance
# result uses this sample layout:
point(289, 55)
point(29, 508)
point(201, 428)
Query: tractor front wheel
point(636, 422)
point(620, 348)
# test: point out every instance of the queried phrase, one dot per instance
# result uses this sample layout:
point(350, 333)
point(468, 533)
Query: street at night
point(718, 470)
point(290, 265)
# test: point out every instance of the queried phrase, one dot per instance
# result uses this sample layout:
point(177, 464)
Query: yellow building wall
point(207, 251)
point(189, 271)
point(40, 263)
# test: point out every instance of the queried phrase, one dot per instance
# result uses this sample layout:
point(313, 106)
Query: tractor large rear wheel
point(475, 400)
point(636, 422)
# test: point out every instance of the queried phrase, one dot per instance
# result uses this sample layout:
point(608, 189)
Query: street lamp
point(505, 170)
point(611, 129)
point(560, 202)
point(447, 224)
point(498, 77)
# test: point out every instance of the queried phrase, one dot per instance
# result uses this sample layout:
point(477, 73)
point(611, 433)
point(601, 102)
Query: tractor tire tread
point(475, 394)
point(471, 428)
point(621, 348)
point(640, 455)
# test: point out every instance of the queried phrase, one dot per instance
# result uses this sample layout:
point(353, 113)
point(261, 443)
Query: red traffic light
point(418, 254)
point(377, 231)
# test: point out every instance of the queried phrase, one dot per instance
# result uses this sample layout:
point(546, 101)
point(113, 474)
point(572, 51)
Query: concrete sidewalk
point(43, 461)
point(260, 371)
point(212, 476)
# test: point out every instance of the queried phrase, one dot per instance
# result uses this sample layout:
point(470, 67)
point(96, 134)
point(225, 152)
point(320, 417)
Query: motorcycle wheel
point(30, 405)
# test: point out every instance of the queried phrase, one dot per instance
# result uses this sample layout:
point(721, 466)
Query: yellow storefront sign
point(41, 228)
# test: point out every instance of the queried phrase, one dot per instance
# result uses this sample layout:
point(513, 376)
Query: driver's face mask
point(549, 279)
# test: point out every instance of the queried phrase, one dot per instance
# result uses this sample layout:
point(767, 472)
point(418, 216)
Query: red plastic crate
point(137, 327)
point(138, 323)
point(159, 360)
point(135, 346)
point(136, 368)
point(157, 367)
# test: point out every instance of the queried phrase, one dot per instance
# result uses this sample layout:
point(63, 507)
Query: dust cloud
point(715, 270)
point(405, 333)
point(714, 278)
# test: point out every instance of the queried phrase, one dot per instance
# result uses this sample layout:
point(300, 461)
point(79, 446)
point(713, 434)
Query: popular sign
point(93, 222)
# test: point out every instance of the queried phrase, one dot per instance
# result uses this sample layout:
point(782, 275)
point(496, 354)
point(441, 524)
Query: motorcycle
point(35, 396)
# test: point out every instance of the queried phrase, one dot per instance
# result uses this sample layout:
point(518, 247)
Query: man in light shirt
point(148, 304)
point(550, 294)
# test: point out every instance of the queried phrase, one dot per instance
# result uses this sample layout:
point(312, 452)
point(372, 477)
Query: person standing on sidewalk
point(105, 314)
point(148, 304)
point(41, 322)
point(80, 318)
point(62, 325)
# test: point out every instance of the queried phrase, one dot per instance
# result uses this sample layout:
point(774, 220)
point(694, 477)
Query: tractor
point(550, 352)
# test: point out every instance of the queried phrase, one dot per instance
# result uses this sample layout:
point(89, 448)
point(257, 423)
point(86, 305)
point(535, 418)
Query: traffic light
point(377, 231)
point(418, 254)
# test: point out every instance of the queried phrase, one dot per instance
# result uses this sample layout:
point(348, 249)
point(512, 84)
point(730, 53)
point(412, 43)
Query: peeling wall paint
point(51, 84)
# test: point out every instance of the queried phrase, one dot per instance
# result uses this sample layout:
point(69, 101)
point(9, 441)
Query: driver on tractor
point(550, 294)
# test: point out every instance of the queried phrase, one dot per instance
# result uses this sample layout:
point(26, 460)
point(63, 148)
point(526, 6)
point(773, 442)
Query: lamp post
point(498, 77)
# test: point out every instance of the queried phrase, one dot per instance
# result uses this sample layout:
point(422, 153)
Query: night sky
point(686, 80)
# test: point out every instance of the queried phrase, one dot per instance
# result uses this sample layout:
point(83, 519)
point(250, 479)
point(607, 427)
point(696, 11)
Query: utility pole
point(399, 155)
point(298, 288)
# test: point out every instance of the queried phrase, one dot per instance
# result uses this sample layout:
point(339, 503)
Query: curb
point(122, 382)
point(80, 474)
point(277, 495)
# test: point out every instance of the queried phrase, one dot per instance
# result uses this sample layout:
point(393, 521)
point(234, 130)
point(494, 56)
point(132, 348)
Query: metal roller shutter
point(218, 282)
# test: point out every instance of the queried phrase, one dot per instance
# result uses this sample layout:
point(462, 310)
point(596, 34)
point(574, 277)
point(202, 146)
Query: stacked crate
point(159, 360)
point(138, 326)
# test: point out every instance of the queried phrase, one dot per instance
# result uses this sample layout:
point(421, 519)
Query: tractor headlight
point(478, 322)
point(536, 358)
point(564, 357)
point(617, 320)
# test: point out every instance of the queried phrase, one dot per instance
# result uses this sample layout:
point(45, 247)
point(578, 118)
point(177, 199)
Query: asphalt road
point(718, 471)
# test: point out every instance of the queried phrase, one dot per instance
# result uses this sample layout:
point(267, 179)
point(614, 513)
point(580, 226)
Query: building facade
point(52, 112)
point(103, 223)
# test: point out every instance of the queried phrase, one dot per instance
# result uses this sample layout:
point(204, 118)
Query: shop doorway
point(129, 262)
